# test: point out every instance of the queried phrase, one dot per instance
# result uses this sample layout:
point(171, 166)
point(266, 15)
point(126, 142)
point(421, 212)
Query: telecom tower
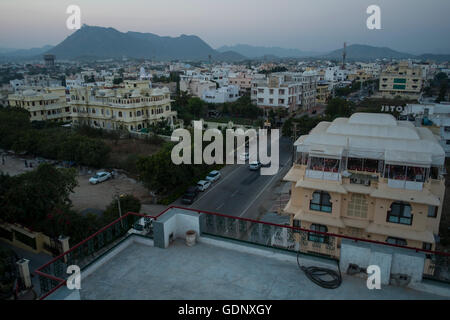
point(344, 55)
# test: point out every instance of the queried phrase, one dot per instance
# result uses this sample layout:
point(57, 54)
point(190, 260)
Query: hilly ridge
point(110, 43)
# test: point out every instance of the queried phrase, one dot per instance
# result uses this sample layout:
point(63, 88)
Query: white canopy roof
point(361, 139)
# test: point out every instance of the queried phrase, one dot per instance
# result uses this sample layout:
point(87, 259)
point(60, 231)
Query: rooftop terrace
point(234, 258)
point(209, 272)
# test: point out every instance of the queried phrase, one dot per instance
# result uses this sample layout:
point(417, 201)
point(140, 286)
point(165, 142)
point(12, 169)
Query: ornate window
point(357, 207)
point(320, 201)
point(400, 212)
point(315, 237)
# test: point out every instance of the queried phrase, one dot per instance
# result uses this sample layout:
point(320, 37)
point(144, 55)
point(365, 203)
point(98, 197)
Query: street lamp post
point(120, 209)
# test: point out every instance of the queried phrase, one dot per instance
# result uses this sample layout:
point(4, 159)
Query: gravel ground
point(85, 196)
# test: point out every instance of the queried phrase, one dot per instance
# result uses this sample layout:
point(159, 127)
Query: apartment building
point(323, 92)
point(133, 107)
point(291, 91)
point(371, 177)
point(243, 81)
point(42, 103)
point(359, 75)
point(221, 95)
point(196, 87)
point(402, 80)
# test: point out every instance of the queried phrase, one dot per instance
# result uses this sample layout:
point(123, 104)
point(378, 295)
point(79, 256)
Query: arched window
point(315, 237)
point(320, 201)
point(400, 212)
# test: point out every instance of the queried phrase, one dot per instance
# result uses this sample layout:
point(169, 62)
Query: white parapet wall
point(391, 260)
point(174, 224)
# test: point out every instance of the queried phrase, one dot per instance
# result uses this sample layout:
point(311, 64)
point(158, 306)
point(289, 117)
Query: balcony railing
point(323, 175)
point(52, 275)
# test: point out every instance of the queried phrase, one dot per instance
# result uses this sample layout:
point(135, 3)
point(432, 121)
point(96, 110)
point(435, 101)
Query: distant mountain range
point(258, 52)
point(10, 52)
point(92, 42)
point(99, 42)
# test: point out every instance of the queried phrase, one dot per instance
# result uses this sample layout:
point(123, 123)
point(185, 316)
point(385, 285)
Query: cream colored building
point(133, 107)
point(359, 75)
point(42, 103)
point(401, 80)
point(323, 92)
point(367, 176)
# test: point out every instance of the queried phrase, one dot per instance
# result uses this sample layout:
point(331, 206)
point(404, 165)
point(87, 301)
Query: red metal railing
point(60, 281)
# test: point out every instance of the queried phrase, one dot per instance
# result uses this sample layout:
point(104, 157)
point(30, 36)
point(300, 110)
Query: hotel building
point(133, 107)
point(402, 80)
point(42, 103)
point(370, 177)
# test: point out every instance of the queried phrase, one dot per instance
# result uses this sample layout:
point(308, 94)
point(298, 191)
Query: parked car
point(100, 177)
point(255, 165)
point(190, 195)
point(203, 185)
point(213, 176)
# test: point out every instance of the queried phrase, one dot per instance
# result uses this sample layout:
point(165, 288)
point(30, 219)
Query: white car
point(213, 176)
point(100, 177)
point(202, 185)
point(255, 165)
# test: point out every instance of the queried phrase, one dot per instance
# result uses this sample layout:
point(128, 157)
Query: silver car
point(100, 177)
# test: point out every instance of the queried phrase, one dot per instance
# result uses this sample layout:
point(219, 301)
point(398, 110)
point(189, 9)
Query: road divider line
point(264, 189)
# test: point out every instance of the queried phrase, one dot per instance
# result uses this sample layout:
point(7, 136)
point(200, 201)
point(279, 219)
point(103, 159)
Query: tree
point(339, 107)
point(128, 203)
point(196, 106)
point(29, 197)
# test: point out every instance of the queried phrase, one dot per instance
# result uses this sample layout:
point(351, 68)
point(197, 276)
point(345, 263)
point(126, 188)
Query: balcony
point(405, 177)
point(323, 175)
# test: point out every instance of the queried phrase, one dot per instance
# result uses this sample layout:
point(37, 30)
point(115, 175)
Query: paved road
point(240, 190)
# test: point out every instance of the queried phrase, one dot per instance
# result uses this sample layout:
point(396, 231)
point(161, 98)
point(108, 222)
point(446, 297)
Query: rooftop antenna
point(344, 55)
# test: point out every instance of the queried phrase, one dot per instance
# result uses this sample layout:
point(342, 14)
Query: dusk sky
point(415, 26)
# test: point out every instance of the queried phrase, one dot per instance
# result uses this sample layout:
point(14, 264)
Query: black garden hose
point(317, 274)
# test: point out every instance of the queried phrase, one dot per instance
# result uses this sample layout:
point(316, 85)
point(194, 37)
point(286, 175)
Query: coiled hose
point(317, 274)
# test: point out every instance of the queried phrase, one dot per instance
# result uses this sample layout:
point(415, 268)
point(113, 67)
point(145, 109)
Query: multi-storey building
point(42, 103)
point(196, 87)
point(359, 75)
point(221, 95)
point(243, 81)
point(291, 91)
point(323, 92)
point(402, 80)
point(367, 176)
point(133, 107)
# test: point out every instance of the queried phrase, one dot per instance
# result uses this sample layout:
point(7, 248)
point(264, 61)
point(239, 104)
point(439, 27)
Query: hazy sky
point(416, 26)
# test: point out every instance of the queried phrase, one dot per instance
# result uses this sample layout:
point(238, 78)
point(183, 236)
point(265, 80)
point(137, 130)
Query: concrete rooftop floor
point(209, 272)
